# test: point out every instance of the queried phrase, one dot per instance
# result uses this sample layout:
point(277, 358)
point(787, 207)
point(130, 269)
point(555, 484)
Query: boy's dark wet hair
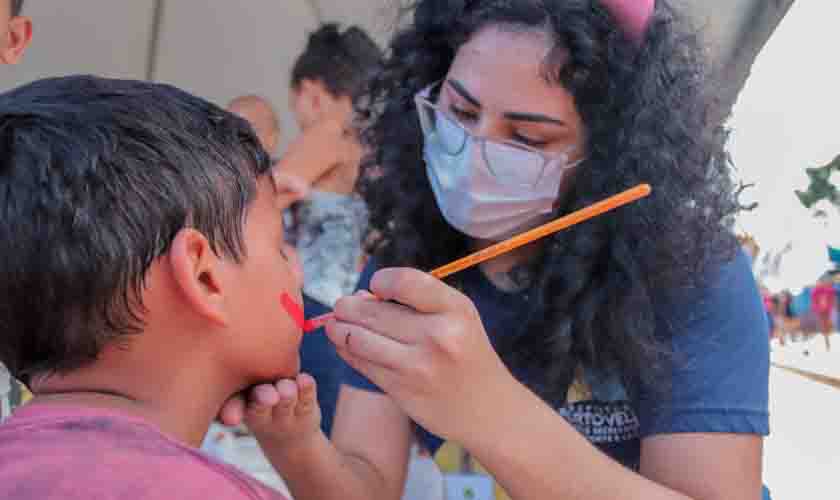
point(17, 7)
point(342, 61)
point(97, 176)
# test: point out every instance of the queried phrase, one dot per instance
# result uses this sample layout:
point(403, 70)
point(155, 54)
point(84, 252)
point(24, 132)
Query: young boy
point(15, 34)
point(142, 266)
point(15, 31)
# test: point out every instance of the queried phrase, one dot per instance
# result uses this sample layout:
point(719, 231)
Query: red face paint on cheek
point(293, 309)
point(296, 312)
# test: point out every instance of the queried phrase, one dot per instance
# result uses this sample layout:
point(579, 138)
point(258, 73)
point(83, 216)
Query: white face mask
point(480, 202)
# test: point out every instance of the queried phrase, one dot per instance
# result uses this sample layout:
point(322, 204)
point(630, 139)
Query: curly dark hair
point(342, 61)
point(97, 176)
point(645, 106)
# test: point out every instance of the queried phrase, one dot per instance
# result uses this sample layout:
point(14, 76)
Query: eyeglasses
point(510, 162)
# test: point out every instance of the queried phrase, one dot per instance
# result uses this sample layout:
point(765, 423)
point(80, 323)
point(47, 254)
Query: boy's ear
point(18, 38)
point(197, 272)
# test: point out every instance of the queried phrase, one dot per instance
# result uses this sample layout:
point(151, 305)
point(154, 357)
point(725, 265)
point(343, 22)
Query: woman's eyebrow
point(518, 116)
point(532, 117)
point(462, 91)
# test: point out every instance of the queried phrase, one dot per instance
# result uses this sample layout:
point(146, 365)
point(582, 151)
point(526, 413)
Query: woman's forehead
point(503, 70)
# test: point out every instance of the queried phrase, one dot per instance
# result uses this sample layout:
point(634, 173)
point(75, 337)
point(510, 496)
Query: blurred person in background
point(262, 117)
point(823, 304)
point(328, 225)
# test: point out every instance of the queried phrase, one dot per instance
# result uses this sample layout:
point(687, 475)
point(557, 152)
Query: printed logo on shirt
point(602, 422)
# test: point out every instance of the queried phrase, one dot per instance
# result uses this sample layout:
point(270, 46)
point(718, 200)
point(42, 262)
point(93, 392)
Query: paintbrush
point(642, 190)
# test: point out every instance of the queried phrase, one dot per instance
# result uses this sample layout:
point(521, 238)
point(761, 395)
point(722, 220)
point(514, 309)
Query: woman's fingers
point(384, 378)
point(385, 318)
point(417, 290)
point(364, 344)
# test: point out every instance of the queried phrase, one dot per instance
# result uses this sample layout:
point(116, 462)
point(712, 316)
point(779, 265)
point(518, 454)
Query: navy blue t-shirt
point(319, 359)
point(719, 366)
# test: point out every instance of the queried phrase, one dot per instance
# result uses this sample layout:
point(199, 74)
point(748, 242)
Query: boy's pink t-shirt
point(53, 452)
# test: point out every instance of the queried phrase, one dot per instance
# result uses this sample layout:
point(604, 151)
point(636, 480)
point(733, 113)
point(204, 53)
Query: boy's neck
point(177, 402)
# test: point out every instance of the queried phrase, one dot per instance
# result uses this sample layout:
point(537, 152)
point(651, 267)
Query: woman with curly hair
point(624, 358)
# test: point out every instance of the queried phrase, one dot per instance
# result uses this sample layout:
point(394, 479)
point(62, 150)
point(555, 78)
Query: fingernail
point(260, 411)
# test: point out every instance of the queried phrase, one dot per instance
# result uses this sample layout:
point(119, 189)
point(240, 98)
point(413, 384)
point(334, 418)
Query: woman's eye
point(463, 115)
point(534, 143)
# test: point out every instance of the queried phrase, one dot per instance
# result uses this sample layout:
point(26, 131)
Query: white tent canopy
point(215, 48)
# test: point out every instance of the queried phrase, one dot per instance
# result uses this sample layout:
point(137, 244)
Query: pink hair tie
point(633, 15)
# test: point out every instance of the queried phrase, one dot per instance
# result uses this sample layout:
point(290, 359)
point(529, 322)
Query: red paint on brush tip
point(317, 322)
point(296, 312)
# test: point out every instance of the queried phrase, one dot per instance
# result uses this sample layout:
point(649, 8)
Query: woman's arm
point(705, 465)
point(534, 453)
point(425, 346)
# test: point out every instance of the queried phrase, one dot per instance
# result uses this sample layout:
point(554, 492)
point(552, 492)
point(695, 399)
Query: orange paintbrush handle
point(554, 226)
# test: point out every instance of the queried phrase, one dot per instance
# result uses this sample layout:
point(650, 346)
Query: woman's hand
point(425, 346)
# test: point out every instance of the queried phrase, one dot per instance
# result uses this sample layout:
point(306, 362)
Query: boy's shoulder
point(69, 453)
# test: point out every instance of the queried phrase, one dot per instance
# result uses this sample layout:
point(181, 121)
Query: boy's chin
point(295, 367)
point(288, 369)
